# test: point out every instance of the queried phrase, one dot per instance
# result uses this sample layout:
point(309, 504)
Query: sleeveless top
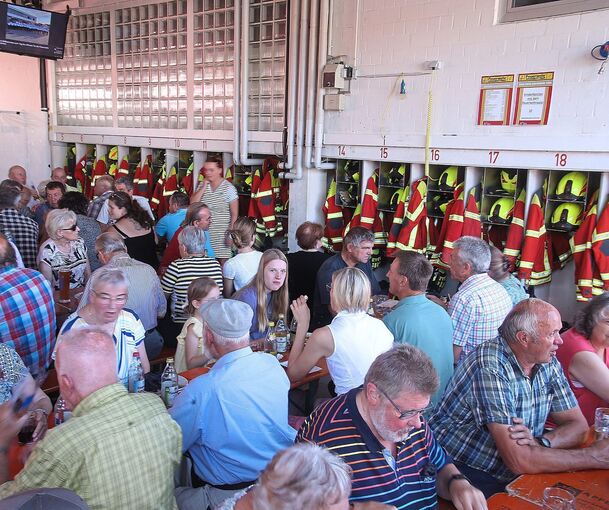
point(574, 342)
point(358, 340)
point(142, 248)
point(180, 355)
point(218, 202)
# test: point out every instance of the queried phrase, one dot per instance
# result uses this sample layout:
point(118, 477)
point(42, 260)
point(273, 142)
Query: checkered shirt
point(118, 451)
point(477, 310)
point(23, 232)
point(96, 204)
point(490, 387)
point(27, 317)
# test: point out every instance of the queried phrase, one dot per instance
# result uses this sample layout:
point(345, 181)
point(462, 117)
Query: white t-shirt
point(104, 215)
point(242, 268)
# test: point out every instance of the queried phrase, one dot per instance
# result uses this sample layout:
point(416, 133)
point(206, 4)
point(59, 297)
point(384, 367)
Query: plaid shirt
point(27, 317)
point(96, 204)
point(118, 451)
point(23, 232)
point(477, 310)
point(490, 387)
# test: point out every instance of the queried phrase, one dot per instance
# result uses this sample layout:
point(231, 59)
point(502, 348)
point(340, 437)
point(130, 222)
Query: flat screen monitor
point(33, 32)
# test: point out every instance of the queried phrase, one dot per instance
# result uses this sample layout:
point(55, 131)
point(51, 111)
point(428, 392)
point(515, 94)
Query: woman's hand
point(301, 311)
point(41, 420)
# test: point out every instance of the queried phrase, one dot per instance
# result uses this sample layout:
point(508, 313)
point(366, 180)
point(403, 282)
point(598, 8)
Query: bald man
point(58, 174)
point(118, 450)
point(492, 416)
point(19, 174)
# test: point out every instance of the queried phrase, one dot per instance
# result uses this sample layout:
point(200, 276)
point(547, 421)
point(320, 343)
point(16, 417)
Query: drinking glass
point(555, 498)
point(601, 423)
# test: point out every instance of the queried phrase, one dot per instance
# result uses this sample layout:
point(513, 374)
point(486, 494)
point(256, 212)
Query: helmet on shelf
point(508, 179)
point(448, 179)
point(501, 210)
point(572, 185)
point(567, 216)
point(113, 154)
point(439, 203)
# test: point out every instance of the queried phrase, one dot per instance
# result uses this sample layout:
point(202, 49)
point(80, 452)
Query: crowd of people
point(434, 399)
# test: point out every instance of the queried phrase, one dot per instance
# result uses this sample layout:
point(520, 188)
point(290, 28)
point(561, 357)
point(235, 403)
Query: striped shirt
point(490, 387)
point(178, 276)
point(477, 310)
point(218, 201)
point(407, 481)
point(128, 336)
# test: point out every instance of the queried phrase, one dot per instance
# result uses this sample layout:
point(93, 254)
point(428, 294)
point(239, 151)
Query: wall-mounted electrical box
point(334, 102)
point(334, 76)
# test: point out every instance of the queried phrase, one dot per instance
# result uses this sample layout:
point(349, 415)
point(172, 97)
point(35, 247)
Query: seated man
point(54, 193)
point(124, 184)
point(491, 419)
point(234, 418)
point(379, 431)
point(118, 450)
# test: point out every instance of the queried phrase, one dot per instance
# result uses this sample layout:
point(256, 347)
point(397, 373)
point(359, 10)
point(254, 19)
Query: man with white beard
point(379, 430)
point(234, 419)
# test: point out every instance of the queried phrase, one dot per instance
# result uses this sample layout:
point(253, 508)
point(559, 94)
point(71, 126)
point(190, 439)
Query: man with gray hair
point(119, 450)
point(356, 252)
point(146, 298)
point(235, 417)
point(493, 414)
point(480, 305)
point(124, 184)
point(379, 430)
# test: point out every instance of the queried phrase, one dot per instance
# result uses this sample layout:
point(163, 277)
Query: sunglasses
point(72, 228)
point(407, 413)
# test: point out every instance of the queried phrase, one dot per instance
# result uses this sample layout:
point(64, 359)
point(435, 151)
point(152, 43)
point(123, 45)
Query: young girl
point(189, 353)
point(239, 270)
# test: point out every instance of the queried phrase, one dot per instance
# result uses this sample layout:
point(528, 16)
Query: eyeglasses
point(406, 414)
point(72, 228)
point(105, 299)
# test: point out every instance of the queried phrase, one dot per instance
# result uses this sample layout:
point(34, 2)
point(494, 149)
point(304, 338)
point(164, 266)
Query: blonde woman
point(239, 270)
point(64, 249)
point(267, 293)
point(350, 343)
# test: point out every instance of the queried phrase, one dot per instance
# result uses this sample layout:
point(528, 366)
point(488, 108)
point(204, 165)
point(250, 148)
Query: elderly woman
point(499, 271)
point(350, 343)
point(303, 476)
point(305, 263)
point(12, 373)
point(267, 292)
point(107, 298)
point(64, 249)
point(134, 225)
point(193, 264)
point(584, 356)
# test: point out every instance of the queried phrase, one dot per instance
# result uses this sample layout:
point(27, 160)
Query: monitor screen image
point(34, 32)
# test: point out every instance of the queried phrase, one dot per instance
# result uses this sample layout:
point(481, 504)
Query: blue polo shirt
point(407, 481)
point(168, 224)
point(234, 419)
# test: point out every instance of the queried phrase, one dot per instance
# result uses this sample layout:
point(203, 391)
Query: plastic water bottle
point(282, 335)
point(169, 383)
point(61, 411)
point(269, 344)
point(136, 374)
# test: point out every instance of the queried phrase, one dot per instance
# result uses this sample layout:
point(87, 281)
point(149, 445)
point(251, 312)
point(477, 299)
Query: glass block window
point(267, 37)
point(84, 76)
point(151, 66)
point(521, 10)
point(214, 51)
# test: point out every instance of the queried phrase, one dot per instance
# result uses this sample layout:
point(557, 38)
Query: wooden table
point(503, 501)
point(62, 310)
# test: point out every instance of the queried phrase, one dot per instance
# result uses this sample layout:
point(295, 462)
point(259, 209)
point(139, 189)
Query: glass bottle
point(169, 383)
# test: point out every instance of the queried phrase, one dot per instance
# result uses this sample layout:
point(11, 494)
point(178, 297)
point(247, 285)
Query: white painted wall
point(24, 135)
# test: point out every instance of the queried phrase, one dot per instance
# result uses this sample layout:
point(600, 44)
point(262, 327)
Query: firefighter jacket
point(253, 211)
point(535, 265)
point(451, 229)
point(81, 177)
point(472, 226)
point(123, 167)
point(169, 188)
point(334, 221)
point(99, 168)
point(142, 180)
point(396, 223)
point(600, 246)
point(157, 194)
point(371, 217)
point(413, 233)
point(515, 232)
point(265, 200)
point(587, 276)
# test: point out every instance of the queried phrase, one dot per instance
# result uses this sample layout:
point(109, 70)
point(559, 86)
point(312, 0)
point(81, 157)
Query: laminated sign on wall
point(495, 100)
point(533, 96)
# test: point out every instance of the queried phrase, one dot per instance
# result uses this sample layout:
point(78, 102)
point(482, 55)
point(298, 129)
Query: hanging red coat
point(157, 194)
point(396, 222)
point(99, 169)
point(123, 167)
point(515, 232)
point(143, 179)
point(334, 221)
point(81, 177)
point(472, 226)
point(587, 276)
point(451, 229)
point(600, 246)
point(413, 234)
point(535, 266)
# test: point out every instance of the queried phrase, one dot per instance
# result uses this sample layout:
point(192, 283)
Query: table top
point(503, 501)
point(62, 310)
point(314, 376)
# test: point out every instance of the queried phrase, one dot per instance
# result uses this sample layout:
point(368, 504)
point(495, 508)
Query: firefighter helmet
point(448, 179)
point(439, 204)
point(501, 211)
point(399, 195)
point(567, 216)
point(113, 154)
point(572, 186)
point(509, 179)
point(351, 171)
point(395, 175)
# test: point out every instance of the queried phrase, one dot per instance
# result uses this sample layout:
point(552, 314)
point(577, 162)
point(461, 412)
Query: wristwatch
point(543, 441)
point(458, 476)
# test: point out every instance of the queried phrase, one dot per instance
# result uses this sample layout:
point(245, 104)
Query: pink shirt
point(574, 342)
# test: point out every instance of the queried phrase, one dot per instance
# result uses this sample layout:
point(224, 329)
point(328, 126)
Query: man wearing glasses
point(378, 429)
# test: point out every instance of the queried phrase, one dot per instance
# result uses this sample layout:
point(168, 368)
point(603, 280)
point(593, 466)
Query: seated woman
point(14, 372)
point(303, 476)
point(134, 225)
point(267, 293)
point(584, 356)
point(499, 271)
point(350, 343)
point(64, 249)
point(240, 269)
point(105, 309)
